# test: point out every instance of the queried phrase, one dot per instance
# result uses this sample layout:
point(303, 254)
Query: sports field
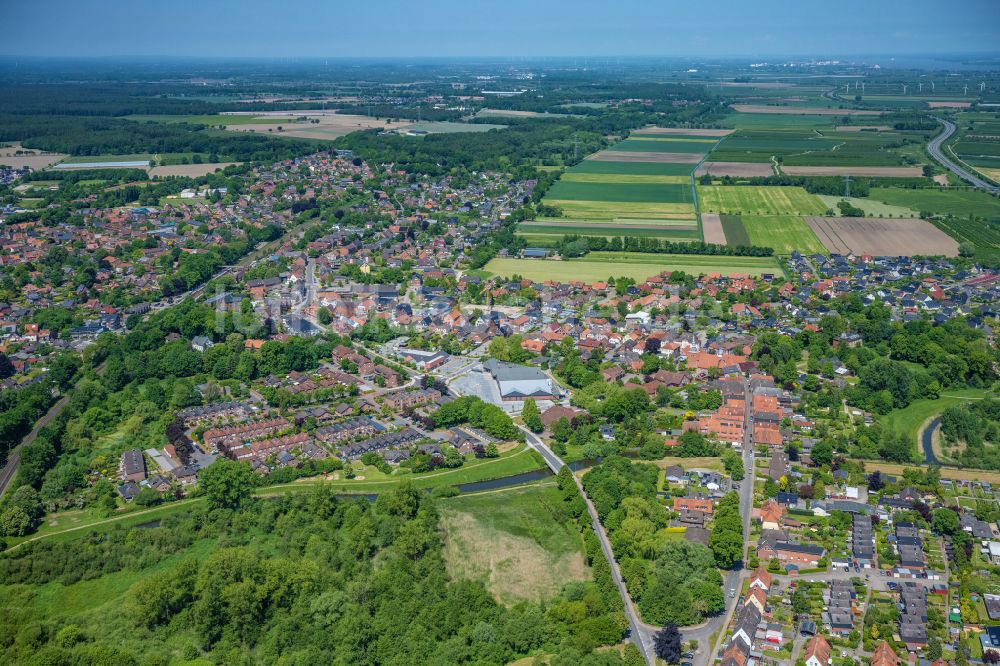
point(598, 266)
point(758, 200)
point(783, 233)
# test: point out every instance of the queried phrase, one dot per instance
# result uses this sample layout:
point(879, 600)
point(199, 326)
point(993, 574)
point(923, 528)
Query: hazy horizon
point(253, 29)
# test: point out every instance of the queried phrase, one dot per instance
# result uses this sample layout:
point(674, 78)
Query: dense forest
point(304, 579)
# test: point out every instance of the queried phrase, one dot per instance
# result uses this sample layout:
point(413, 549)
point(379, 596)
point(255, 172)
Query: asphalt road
point(9, 470)
point(934, 148)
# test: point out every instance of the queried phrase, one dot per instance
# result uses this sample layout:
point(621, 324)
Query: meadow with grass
point(758, 200)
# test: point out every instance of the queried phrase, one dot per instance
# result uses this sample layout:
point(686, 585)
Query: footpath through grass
point(70, 524)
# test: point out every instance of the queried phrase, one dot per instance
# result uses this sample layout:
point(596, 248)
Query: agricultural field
point(736, 169)
point(822, 148)
point(512, 541)
point(443, 127)
point(758, 200)
point(958, 202)
point(882, 237)
point(592, 166)
point(801, 110)
point(876, 172)
point(783, 233)
point(984, 235)
point(871, 207)
point(639, 187)
point(189, 170)
point(36, 160)
point(732, 227)
point(712, 229)
point(598, 266)
point(625, 189)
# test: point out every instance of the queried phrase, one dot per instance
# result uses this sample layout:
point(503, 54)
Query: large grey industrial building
point(519, 382)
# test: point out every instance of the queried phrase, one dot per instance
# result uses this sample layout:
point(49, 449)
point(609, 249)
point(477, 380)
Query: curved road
point(934, 148)
point(14, 457)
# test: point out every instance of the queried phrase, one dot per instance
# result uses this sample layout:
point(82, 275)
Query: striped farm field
point(598, 266)
point(759, 200)
point(620, 192)
point(638, 179)
point(610, 210)
point(629, 168)
point(783, 233)
point(665, 145)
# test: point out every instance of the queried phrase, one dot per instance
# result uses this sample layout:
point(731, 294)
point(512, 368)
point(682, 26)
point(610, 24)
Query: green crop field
point(663, 145)
point(621, 192)
point(632, 168)
point(759, 200)
point(984, 235)
point(610, 210)
point(784, 233)
point(961, 203)
point(777, 121)
point(598, 266)
point(732, 227)
point(636, 179)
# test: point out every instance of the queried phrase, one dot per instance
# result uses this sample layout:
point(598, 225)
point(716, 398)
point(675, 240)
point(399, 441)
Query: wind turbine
point(982, 87)
point(966, 88)
point(932, 86)
point(920, 86)
point(847, 88)
point(904, 88)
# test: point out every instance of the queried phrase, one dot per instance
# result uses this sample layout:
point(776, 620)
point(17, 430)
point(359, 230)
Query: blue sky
point(400, 28)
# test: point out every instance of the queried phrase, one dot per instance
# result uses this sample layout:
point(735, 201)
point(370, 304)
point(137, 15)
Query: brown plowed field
point(736, 169)
point(876, 172)
point(685, 131)
point(801, 110)
point(711, 228)
point(882, 237)
point(636, 156)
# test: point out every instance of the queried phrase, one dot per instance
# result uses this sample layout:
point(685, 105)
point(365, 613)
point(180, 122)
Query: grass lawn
point(759, 200)
point(784, 233)
point(953, 202)
point(909, 420)
point(598, 266)
point(517, 461)
point(512, 540)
